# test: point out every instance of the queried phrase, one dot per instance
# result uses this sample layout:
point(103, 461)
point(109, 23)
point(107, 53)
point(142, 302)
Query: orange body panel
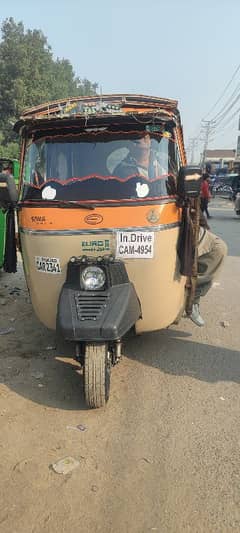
point(48, 218)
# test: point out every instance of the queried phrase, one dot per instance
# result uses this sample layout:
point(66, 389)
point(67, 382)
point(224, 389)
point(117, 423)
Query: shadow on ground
point(173, 352)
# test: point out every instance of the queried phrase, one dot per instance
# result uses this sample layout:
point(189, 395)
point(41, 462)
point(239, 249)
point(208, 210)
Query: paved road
point(226, 224)
point(163, 456)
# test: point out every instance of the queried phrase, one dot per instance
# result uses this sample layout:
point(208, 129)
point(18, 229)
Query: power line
point(224, 91)
point(209, 125)
point(212, 126)
point(229, 101)
point(223, 115)
point(225, 120)
point(225, 126)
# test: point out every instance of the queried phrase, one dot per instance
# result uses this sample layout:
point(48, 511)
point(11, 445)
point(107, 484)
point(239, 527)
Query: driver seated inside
point(144, 162)
point(137, 161)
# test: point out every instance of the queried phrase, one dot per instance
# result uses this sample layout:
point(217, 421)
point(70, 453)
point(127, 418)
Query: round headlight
point(92, 278)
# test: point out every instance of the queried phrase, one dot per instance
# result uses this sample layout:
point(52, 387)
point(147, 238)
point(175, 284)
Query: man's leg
point(206, 209)
point(202, 204)
point(209, 265)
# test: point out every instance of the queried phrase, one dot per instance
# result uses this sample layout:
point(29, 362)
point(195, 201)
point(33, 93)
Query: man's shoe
point(196, 317)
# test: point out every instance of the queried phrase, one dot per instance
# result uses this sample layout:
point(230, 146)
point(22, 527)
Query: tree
point(29, 75)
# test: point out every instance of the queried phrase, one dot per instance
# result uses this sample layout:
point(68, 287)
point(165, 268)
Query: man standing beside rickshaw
point(211, 249)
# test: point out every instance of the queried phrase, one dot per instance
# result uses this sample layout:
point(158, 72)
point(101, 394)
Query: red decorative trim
point(101, 178)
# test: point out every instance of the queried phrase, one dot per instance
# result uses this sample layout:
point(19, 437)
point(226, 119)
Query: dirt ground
point(162, 456)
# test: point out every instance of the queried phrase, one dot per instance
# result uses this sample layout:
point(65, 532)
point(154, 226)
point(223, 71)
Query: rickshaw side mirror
point(189, 181)
point(8, 190)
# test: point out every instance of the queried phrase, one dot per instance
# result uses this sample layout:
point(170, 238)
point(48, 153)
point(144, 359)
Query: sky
point(182, 49)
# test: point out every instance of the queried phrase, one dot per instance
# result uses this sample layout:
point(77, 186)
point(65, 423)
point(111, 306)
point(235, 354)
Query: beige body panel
point(159, 286)
point(158, 283)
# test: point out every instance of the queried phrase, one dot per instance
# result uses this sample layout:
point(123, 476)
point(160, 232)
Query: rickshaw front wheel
point(96, 374)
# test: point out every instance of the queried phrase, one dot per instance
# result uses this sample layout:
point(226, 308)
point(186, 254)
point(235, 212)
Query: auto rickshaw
point(12, 166)
point(103, 202)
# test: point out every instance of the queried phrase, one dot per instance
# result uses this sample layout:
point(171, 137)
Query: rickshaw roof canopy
point(99, 107)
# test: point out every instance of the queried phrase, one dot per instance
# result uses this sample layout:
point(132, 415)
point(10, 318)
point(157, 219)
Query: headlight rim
point(95, 287)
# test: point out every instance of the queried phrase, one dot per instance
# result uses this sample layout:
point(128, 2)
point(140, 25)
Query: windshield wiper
point(57, 203)
point(69, 203)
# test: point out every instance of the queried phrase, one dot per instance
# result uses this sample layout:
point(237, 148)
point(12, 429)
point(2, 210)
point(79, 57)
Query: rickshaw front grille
point(118, 274)
point(90, 307)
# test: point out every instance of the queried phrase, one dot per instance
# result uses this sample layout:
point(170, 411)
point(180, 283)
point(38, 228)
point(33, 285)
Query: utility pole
point(207, 126)
point(193, 142)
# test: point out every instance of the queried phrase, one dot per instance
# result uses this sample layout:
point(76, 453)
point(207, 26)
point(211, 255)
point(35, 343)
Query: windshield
point(101, 167)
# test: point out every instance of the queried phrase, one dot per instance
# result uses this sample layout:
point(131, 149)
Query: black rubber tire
point(96, 375)
point(238, 212)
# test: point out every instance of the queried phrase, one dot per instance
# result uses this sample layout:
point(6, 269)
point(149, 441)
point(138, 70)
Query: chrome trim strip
point(41, 232)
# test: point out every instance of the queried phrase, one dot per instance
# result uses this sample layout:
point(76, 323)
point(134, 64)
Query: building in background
point(217, 161)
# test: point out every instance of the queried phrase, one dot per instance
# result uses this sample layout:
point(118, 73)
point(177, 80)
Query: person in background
point(7, 169)
point(205, 195)
point(235, 186)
